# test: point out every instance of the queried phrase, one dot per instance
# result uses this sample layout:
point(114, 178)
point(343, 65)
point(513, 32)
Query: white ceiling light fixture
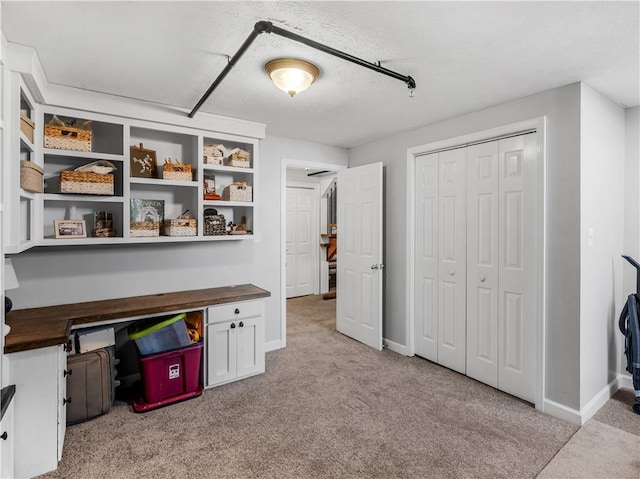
point(291, 75)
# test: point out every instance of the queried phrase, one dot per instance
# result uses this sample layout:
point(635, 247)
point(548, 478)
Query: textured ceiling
point(464, 56)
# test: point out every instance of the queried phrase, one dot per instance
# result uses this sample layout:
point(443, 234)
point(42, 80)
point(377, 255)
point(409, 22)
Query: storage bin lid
point(32, 165)
point(139, 330)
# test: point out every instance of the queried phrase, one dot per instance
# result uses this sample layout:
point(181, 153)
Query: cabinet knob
point(233, 325)
point(4, 436)
point(66, 401)
point(241, 324)
point(482, 278)
point(452, 272)
point(67, 372)
point(237, 311)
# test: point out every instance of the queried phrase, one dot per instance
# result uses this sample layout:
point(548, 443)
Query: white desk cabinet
point(7, 441)
point(234, 342)
point(39, 408)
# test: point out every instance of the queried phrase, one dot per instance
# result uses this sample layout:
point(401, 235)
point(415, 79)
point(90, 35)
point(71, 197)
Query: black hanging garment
point(629, 324)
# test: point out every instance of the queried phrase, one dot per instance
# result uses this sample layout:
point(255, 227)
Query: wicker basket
point(239, 158)
point(67, 138)
point(180, 227)
point(86, 183)
point(31, 176)
point(144, 229)
point(177, 172)
point(238, 191)
point(26, 126)
point(215, 225)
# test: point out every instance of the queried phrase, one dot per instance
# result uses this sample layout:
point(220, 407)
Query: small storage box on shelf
point(26, 126)
point(177, 172)
point(86, 183)
point(214, 225)
point(159, 336)
point(31, 176)
point(180, 227)
point(67, 138)
point(239, 159)
point(142, 229)
point(213, 154)
point(238, 191)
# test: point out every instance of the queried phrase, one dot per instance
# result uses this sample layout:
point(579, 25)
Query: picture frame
point(147, 211)
point(142, 162)
point(70, 228)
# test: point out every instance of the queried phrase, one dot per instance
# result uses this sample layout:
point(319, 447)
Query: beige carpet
point(327, 407)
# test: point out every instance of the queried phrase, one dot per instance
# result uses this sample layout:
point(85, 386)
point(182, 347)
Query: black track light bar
point(268, 27)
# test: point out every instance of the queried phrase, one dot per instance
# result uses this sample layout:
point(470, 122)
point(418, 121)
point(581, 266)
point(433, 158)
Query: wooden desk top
point(50, 325)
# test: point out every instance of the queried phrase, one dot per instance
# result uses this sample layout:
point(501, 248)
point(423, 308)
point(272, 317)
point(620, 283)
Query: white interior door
point(452, 264)
point(518, 259)
point(482, 262)
point(426, 257)
point(299, 242)
point(359, 274)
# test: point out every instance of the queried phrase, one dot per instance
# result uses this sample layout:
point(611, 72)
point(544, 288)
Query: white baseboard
point(599, 400)
point(272, 345)
point(395, 347)
point(560, 411)
point(587, 412)
point(626, 381)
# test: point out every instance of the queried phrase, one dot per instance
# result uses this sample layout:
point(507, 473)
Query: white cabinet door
point(250, 347)
point(62, 398)
point(426, 257)
point(36, 376)
point(221, 353)
point(7, 443)
point(482, 263)
point(452, 265)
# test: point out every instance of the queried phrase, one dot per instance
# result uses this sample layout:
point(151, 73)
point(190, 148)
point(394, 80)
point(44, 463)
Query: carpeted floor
point(327, 407)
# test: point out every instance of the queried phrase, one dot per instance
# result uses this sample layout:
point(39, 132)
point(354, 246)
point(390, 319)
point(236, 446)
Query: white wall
point(562, 109)
point(602, 179)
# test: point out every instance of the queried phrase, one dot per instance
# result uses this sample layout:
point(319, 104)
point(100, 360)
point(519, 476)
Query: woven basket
point(239, 158)
point(144, 229)
point(31, 176)
point(26, 126)
point(86, 183)
point(67, 138)
point(238, 191)
point(215, 225)
point(180, 227)
point(177, 172)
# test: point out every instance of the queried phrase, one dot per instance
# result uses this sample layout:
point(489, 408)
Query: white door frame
point(315, 229)
point(284, 164)
point(539, 124)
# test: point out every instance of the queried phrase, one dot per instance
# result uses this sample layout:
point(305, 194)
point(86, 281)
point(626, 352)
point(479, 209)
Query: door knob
point(482, 278)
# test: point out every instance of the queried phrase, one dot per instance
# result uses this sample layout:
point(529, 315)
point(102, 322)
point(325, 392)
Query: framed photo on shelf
point(70, 228)
point(142, 162)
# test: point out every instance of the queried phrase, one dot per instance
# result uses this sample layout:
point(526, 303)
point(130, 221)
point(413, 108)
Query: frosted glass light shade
point(291, 75)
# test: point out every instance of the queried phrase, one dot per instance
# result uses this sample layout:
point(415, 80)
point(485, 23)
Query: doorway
point(319, 177)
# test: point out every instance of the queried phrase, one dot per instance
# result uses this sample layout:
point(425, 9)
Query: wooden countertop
point(50, 325)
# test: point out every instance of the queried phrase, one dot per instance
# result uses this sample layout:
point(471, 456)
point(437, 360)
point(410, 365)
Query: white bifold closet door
point(441, 258)
point(475, 270)
point(501, 259)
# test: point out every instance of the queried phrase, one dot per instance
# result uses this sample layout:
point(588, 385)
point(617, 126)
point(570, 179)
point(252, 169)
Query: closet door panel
point(518, 259)
point(452, 269)
point(482, 262)
point(426, 260)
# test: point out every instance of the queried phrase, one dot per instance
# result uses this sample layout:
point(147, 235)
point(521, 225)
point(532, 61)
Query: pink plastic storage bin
point(172, 373)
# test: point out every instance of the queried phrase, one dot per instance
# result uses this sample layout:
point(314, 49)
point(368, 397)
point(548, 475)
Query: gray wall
point(562, 109)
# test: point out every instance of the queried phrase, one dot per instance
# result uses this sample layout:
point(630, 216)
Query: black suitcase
point(90, 384)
